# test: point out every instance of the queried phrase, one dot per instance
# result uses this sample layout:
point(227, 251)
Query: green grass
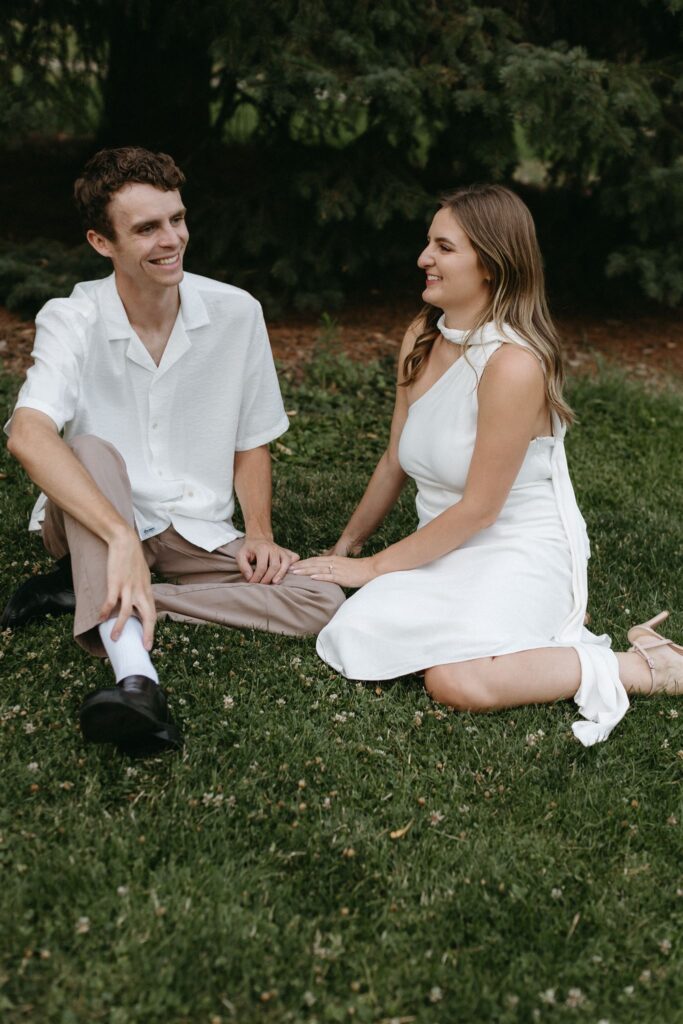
point(256, 878)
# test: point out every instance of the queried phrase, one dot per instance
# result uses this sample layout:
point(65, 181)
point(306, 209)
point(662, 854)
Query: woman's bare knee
point(463, 686)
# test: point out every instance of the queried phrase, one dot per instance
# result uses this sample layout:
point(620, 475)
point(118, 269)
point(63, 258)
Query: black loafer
point(51, 594)
point(168, 738)
point(132, 712)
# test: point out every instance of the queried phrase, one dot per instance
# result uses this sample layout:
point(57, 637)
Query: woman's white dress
point(515, 586)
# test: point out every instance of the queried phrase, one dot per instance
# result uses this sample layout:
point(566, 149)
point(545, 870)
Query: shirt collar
point(192, 309)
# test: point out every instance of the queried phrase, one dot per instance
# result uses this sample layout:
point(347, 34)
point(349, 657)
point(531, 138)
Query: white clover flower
point(575, 998)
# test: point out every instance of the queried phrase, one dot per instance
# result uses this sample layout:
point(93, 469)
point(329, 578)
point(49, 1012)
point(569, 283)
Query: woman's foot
point(664, 657)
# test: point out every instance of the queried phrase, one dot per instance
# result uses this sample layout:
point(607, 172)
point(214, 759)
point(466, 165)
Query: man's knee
point(463, 686)
point(334, 598)
point(328, 600)
point(317, 602)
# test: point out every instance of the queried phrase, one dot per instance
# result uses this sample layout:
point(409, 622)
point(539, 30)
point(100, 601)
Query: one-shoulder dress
point(518, 585)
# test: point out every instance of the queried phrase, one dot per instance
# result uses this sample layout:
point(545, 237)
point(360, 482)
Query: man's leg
point(62, 534)
point(136, 708)
point(209, 587)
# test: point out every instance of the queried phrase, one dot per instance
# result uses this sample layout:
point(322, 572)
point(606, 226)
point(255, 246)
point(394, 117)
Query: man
point(164, 386)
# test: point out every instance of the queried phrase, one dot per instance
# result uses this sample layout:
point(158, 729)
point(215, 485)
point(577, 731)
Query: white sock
point(127, 655)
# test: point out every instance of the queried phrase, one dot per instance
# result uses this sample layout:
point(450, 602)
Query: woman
point(488, 596)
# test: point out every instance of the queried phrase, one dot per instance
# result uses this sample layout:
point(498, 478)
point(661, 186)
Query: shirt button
point(154, 426)
point(190, 494)
point(160, 472)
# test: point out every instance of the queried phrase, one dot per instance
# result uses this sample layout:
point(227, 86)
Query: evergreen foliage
point(317, 133)
point(32, 274)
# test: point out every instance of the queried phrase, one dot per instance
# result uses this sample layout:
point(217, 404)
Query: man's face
point(150, 236)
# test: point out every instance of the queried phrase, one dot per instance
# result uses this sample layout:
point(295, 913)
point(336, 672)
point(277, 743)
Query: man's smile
point(166, 261)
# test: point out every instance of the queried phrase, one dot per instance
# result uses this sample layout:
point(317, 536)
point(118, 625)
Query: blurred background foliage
point(316, 134)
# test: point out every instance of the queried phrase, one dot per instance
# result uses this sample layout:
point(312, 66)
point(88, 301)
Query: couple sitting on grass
point(163, 385)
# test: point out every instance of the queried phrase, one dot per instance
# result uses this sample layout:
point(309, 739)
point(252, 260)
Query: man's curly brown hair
point(109, 170)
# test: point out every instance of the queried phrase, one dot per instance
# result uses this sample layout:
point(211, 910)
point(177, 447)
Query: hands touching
point(263, 561)
point(345, 547)
point(334, 566)
point(129, 582)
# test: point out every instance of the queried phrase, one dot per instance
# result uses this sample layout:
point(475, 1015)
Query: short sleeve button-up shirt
point(177, 425)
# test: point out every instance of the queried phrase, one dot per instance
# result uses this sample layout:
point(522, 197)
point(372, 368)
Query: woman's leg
point(527, 677)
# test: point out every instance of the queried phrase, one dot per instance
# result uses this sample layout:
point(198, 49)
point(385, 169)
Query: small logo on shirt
point(148, 529)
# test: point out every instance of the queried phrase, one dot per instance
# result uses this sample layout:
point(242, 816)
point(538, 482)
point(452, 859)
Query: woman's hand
point(346, 572)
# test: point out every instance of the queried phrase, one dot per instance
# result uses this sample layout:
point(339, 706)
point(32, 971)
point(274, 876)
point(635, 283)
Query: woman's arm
point(388, 479)
point(511, 401)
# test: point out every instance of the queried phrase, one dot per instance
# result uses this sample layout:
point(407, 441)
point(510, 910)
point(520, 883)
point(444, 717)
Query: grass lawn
point(331, 851)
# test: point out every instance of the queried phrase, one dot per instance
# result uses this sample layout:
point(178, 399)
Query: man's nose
point(169, 236)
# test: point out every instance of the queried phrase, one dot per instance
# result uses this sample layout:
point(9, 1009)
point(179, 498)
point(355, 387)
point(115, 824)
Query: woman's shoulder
point(413, 331)
point(415, 328)
point(515, 367)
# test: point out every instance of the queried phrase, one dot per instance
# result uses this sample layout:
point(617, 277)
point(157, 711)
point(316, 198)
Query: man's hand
point(128, 581)
point(346, 572)
point(345, 547)
point(270, 562)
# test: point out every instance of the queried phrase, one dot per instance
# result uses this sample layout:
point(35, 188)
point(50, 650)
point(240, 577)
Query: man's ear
point(99, 243)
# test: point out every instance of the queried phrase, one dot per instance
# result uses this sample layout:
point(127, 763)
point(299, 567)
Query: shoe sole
point(110, 718)
point(166, 740)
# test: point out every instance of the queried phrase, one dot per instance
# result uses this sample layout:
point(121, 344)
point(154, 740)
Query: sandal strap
point(655, 640)
point(642, 651)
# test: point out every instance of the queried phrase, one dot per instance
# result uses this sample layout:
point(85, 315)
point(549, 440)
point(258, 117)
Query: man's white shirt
point(177, 425)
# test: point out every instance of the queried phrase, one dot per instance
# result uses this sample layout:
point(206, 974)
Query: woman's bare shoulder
point(513, 362)
point(413, 332)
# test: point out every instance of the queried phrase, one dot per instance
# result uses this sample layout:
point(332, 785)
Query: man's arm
point(260, 559)
point(50, 463)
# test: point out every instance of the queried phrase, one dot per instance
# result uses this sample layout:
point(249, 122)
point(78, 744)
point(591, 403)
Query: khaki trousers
point(206, 587)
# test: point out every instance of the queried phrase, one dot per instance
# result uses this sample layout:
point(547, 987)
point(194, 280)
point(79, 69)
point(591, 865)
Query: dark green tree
point(317, 133)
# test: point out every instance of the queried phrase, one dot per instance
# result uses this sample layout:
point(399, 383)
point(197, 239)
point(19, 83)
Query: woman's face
point(456, 280)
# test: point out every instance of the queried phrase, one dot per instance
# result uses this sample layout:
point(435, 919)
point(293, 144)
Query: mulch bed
point(650, 347)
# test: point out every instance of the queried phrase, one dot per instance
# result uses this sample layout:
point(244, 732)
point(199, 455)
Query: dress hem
point(397, 671)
